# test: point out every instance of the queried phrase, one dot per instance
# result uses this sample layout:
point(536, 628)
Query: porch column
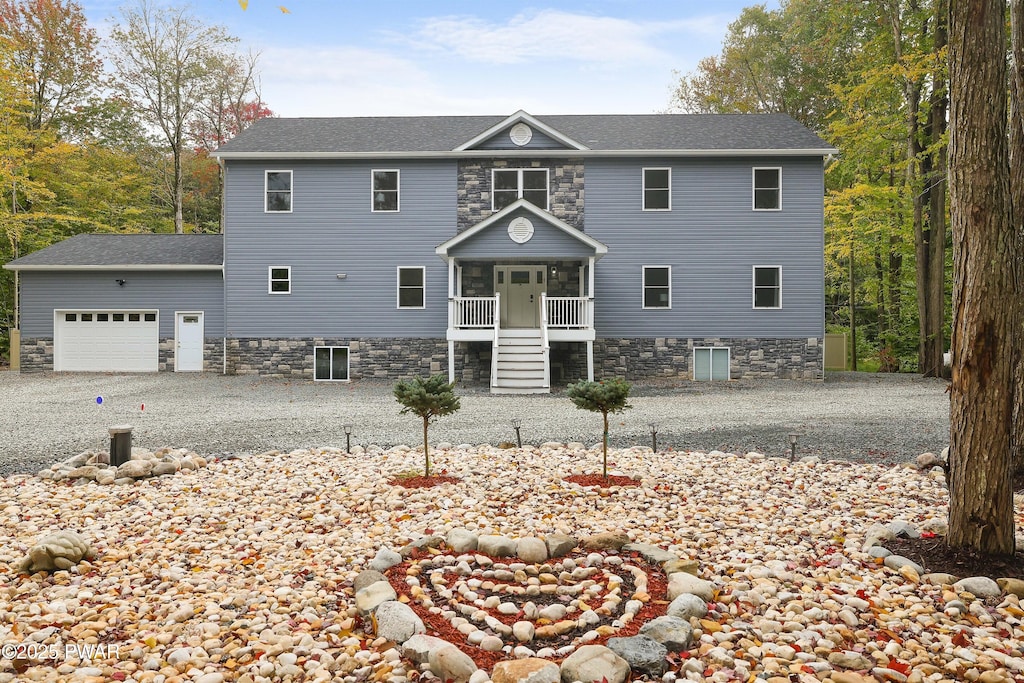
point(590, 277)
point(451, 361)
point(451, 278)
point(590, 361)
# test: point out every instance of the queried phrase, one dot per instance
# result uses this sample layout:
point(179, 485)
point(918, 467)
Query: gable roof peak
point(521, 116)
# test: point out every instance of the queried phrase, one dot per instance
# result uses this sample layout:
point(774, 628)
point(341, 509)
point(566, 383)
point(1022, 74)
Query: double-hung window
point(278, 192)
point(280, 280)
point(767, 286)
point(511, 184)
point(657, 189)
point(385, 190)
point(412, 281)
point(657, 286)
point(767, 189)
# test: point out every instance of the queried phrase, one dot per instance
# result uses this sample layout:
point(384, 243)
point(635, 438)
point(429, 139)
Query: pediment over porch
point(521, 230)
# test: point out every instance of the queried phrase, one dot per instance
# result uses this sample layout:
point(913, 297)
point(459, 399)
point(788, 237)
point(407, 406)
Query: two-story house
point(513, 250)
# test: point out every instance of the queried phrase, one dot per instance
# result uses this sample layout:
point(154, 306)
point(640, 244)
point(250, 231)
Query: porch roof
point(548, 237)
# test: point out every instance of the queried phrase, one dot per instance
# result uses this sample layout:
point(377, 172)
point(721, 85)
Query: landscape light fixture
point(120, 282)
point(793, 436)
point(654, 435)
point(517, 423)
point(348, 438)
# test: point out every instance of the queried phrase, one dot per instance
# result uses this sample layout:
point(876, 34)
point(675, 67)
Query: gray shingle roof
point(599, 132)
point(100, 250)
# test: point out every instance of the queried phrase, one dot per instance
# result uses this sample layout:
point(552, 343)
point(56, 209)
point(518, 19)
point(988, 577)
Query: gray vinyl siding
point(538, 141)
point(165, 291)
point(712, 239)
point(332, 230)
point(547, 242)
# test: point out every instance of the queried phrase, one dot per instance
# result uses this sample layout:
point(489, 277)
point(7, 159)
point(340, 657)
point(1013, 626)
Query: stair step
point(519, 332)
point(516, 375)
point(521, 357)
point(520, 390)
point(518, 382)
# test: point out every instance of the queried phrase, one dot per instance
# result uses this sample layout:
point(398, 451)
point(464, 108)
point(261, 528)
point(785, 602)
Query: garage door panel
point(106, 341)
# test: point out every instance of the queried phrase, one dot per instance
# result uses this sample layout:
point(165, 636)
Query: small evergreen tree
point(428, 398)
point(607, 396)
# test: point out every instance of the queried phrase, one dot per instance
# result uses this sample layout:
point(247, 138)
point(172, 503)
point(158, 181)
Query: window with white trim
point(657, 189)
point(511, 184)
point(412, 285)
point(767, 189)
point(767, 286)
point(330, 363)
point(384, 193)
point(278, 186)
point(280, 279)
point(657, 285)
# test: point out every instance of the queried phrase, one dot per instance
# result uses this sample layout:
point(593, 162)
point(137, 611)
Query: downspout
point(223, 267)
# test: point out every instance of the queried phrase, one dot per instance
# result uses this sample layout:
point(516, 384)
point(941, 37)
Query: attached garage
point(123, 303)
point(106, 341)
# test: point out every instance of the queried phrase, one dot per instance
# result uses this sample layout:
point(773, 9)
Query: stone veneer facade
point(380, 358)
point(37, 355)
point(565, 191)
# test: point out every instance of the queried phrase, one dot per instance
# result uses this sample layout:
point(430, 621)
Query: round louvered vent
point(520, 230)
point(520, 134)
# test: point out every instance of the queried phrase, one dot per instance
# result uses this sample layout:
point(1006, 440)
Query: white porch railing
point(496, 321)
point(570, 312)
point(472, 311)
point(544, 343)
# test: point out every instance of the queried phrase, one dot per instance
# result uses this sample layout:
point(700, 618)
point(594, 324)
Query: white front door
point(188, 342)
point(520, 288)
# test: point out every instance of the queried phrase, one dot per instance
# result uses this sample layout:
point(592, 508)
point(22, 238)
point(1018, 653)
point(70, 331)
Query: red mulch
point(935, 556)
point(604, 482)
point(657, 587)
point(423, 482)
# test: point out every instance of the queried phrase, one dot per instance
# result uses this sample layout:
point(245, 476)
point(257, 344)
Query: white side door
point(188, 342)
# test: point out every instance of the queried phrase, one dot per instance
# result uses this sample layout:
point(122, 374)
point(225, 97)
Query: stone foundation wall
point(213, 355)
point(36, 355)
point(565, 196)
point(368, 358)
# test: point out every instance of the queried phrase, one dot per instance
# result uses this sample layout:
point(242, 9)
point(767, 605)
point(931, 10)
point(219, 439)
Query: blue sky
point(341, 58)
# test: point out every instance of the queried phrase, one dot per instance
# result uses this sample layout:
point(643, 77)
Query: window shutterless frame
point(331, 363)
point(656, 288)
point(766, 184)
point(657, 189)
point(277, 191)
point(767, 287)
point(279, 280)
point(412, 287)
point(523, 183)
point(385, 190)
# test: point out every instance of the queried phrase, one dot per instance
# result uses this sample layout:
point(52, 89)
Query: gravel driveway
point(864, 417)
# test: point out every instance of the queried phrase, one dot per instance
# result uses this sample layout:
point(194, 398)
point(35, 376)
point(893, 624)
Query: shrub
point(607, 396)
point(429, 398)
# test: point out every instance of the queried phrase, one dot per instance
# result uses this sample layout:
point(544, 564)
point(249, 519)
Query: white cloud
point(551, 34)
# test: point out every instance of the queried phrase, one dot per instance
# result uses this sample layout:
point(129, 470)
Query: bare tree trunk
point(987, 269)
point(933, 237)
point(1016, 140)
point(178, 192)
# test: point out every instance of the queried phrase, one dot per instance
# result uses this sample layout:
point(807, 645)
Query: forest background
point(115, 136)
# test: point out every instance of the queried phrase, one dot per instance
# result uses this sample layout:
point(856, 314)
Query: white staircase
point(520, 363)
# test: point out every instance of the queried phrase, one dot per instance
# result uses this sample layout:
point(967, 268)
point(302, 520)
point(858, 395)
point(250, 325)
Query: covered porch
point(521, 289)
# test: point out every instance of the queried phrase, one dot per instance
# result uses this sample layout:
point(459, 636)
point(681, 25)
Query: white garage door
point(106, 341)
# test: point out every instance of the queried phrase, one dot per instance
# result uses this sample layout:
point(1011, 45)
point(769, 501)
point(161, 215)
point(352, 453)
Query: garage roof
point(126, 252)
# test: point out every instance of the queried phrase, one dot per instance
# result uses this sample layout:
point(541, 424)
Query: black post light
point(348, 438)
point(793, 437)
point(517, 424)
point(654, 435)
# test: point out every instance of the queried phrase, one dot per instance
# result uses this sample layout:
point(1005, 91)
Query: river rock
point(528, 670)
point(876, 534)
point(608, 540)
point(594, 664)
point(850, 660)
point(979, 586)
point(643, 654)
point(682, 583)
point(385, 559)
point(397, 622)
point(369, 598)
point(673, 632)
point(461, 540)
point(1012, 586)
point(560, 544)
point(449, 663)
point(136, 469)
point(681, 565)
point(531, 549)
point(897, 562)
point(365, 578)
point(651, 553)
point(417, 649)
point(687, 605)
point(497, 546)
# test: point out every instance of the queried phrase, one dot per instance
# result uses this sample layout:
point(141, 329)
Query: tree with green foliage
point(429, 398)
point(606, 396)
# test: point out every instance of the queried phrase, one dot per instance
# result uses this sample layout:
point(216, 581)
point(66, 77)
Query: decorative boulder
point(62, 550)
